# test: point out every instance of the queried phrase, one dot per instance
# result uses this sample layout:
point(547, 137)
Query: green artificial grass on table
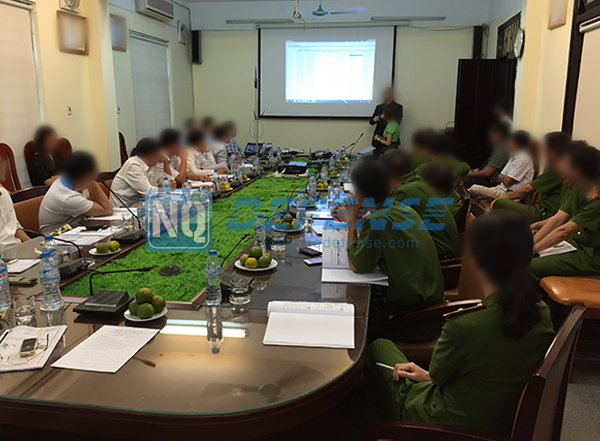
point(183, 287)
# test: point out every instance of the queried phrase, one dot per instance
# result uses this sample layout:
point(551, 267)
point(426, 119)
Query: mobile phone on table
point(313, 262)
point(310, 252)
point(28, 347)
point(95, 227)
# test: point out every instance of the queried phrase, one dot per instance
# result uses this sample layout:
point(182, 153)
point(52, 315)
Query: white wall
point(426, 77)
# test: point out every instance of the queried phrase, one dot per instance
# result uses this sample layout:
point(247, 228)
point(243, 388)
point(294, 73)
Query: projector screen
point(324, 73)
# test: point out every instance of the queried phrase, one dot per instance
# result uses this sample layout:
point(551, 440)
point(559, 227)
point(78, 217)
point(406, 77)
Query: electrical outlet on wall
point(69, 110)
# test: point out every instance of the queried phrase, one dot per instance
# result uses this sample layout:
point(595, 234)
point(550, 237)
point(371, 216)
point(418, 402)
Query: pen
point(385, 366)
point(4, 336)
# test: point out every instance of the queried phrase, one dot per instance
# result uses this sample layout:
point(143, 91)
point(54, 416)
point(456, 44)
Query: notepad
point(336, 268)
point(21, 265)
point(560, 248)
point(310, 324)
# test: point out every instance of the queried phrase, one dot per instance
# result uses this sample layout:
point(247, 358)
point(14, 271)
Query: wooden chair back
point(64, 147)
point(534, 153)
point(106, 176)
point(468, 285)
point(540, 413)
point(12, 178)
point(28, 213)
point(123, 148)
point(464, 212)
point(28, 152)
point(29, 193)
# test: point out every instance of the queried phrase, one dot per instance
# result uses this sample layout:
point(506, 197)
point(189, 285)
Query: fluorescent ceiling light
point(421, 18)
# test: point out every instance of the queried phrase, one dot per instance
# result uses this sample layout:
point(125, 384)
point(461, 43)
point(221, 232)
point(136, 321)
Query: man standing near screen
point(379, 122)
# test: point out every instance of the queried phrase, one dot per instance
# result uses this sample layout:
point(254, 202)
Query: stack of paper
point(11, 345)
point(21, 265)
point(561, 248)
point(85, 238)
point(336, 268)
point(323, 325)
point(119, 213)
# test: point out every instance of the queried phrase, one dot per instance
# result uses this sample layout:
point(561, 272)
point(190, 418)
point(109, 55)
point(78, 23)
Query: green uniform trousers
point(583, 262)
point(531, 213)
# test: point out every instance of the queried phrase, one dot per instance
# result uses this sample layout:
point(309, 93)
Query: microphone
point(355, 143)
point(234, 247)
point(98, 273)
point(122, 203)
point(70, 267)
point(171, 269)
point(130, 236)
point(289, 198)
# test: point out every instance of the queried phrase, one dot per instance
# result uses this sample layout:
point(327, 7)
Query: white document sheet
point(11, 345)
point(335, 262)
point(349, 188)
point(107, 350)
point(118, 214)
point(22, 265)
point(560, 248)
point(85, 238)
point(324, 325)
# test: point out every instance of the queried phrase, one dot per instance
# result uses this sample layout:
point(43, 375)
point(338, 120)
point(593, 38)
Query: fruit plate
point(134, 318)
point(94, 252)
point(297, 227)
point(271, 266)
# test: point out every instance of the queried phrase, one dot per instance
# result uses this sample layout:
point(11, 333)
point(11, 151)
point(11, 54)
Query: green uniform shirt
point(478, 374)
point(407, 256)
point(393, 128)
point(418, 161)
point(549, 186)
point(459, 168)
point(584, 210)
point(447, 241)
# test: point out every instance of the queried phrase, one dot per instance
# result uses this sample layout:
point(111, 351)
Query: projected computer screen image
point(324, 72)
point(329, 71)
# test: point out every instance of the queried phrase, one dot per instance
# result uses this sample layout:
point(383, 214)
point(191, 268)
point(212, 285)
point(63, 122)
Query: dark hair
point(221, 131)
point(79, 164)
point(397, 162)
point(229, 125)
point(439, 177)
point(502, 245)
point(39, 142)
point(190, 121)
point(558, 142)
point(195, 137)
point(585, 158)
point(207, 122)
point(506, 105)
point(521, 138)
point(502, 128)
point(146, 147)
point(168, 137)
point(390, 111)
point(441, 144)
point(424, 138)
point(372, 180)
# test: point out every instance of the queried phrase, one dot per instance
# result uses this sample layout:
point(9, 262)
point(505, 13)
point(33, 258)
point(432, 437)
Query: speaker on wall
point(196, 48)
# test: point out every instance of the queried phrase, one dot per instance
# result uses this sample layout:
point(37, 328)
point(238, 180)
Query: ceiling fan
point(320, 12)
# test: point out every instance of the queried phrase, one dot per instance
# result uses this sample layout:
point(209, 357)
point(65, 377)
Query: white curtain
point(587, 116)
point(19, 98)
point(151, 91)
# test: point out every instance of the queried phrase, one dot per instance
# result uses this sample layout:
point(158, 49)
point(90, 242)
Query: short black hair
point(521, 138)
point(441, 144)
point(506, 105)
point(502, 128)
point(586, 159)
point(372, 180)
point(558, 142)
point(221, 131)
point(146, 147)
point(390, 111)
point(79, 164)
point(207, 121)
point(397, 162)
point(439, 177)
point(168, 137)
point(424, 138)
point(195, 137)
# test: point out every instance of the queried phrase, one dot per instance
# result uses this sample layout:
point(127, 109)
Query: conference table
point(175, 387)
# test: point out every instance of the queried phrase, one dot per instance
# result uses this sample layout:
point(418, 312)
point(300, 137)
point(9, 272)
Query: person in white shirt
point(66, 203)
point(209, 125)
point(11, 232)
point(200, 161)
point(517, 172)
point(219, 145)
point(135, 178)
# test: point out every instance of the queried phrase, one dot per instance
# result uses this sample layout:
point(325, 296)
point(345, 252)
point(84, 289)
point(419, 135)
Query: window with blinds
point(20, 107)
point(151, 91)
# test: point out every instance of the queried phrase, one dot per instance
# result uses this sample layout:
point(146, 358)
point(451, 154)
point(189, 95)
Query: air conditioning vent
point(162, 10)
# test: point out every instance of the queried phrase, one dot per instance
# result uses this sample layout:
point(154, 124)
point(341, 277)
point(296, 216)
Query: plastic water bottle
point(256, 164)
point(312, 186)
point(337, 156)
point(5, 299)
point(216, 182)
point(141, 213)
point(332, 161)
point(186, 185)
point(166, 185)
point(301, 216)
point(300, 199)
point(214, 329)
point(212, 272)
point(278, 154)
point(50, 277)
point(260, 234)
point(324, 173)
point(50, 244)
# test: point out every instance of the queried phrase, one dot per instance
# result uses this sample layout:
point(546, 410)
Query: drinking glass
point(24, 307)
point(240, 294)
point(117, 226)
point(129, 223)
point(278, 241)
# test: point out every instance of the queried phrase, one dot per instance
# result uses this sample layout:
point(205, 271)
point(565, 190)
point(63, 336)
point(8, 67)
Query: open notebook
point(322, 325)
point(335, 262)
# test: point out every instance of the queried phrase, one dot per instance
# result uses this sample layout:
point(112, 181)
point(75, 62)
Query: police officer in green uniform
point(389, 238)
point(577, 221)
point(439, 150)
point(420, 142)
point(432, 209)
point(549, 184)
point(485, 355)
